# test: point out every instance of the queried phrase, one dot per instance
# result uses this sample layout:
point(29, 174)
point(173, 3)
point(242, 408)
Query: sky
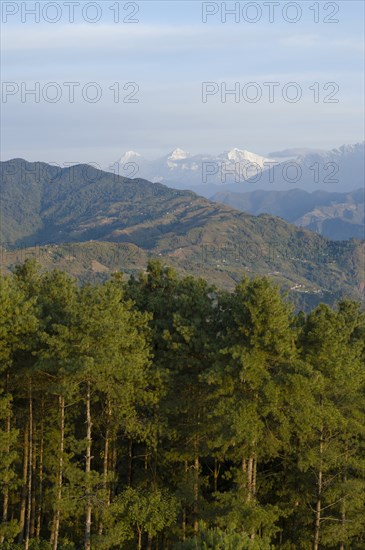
point(109, 77)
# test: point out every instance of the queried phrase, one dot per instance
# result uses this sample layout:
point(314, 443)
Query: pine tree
point(259, 383)
point(164, 413)
point(17, 327)
point(104, 345)
point(333, 343)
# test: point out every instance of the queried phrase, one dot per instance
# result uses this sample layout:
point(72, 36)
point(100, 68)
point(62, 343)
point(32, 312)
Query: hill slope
point(195, 235)
point(338, 216)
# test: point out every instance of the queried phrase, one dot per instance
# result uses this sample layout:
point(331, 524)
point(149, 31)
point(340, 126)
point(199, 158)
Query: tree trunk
point(183, 523)
point(244, 485)
point(57, 514)
point(250, 470)
point(6, 488)
point(343, 513)
point(114, 461)
point(254, 476)
point(34, 489)
point(88, 468)
point(23, 503)
point(106, 465)
point(30, 468)
point(40, 475)
point(139, 539)
point(130, 463)
point(216, 475)
point(317, 523)
point(196, 494)
point(184, 508)
point(253, 488)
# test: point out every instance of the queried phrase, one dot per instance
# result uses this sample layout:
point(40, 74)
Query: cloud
point(104, 36)
point(139, 36)
point(170, 58)
point(319, 40)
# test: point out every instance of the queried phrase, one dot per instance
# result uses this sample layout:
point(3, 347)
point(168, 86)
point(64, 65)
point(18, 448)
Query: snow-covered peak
point(235, 166)
point(348, 149)
point(348, 153)
point(241, 155)
point(129, 156)
point(179, 154)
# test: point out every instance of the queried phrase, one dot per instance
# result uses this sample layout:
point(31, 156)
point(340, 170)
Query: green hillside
point(49, 210)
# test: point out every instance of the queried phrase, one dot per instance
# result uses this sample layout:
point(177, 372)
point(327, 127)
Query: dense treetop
point(160, 413)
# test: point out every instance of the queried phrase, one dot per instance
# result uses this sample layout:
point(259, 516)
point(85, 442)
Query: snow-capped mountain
point(129, 156)
point(336, 170)
point(238, 170)
point(180, 168)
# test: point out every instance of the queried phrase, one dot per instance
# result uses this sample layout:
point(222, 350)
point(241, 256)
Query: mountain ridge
point(339, 216)
point(82, 205)
point(340, 169)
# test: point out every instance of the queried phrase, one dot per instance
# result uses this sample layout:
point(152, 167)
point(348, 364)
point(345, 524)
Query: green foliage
point(217, 539)
point(138, 511)
point(178, 415)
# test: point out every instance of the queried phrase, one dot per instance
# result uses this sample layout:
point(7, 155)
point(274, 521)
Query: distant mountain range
point(90, 223)
point(179, 168)
point(339, 216)
point(337, 170)
point(319, 190)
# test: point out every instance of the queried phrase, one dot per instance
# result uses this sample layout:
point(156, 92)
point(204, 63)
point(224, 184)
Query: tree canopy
point(163, 413)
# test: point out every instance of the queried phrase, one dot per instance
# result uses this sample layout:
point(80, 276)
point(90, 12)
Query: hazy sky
point(149, 77)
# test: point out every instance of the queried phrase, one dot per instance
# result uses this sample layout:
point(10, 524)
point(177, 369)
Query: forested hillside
point(86, 221)
point(162, 413)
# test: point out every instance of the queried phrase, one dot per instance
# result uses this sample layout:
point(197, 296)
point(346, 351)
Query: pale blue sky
point(169, 53)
